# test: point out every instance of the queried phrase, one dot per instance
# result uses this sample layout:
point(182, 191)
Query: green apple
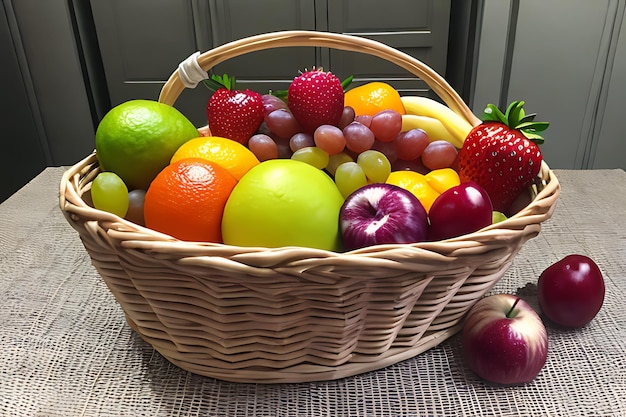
point(283, 202)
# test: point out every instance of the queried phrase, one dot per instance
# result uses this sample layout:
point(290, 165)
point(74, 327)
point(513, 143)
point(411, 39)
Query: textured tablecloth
point(66, 350)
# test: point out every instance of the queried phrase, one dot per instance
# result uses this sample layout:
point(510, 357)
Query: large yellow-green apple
point(283, 202)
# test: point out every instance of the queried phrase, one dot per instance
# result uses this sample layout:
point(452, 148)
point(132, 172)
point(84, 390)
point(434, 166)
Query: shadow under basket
point(295, 314)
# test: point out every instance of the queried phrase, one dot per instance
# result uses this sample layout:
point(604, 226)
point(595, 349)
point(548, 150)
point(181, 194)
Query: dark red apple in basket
point(381, 213)
point(571, 291)
point(460, 210)
point(504, 340)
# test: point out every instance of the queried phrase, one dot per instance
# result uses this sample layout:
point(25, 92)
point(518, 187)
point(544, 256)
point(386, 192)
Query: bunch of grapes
point(358, 150)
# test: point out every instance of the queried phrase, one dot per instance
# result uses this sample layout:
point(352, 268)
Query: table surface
point(66, 349)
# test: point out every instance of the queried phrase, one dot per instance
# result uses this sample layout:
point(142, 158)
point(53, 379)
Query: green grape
point(109, 193)
point(335, 160)
point(497, 217)
point(312, 155)
point(349, 177)
point(375, 165)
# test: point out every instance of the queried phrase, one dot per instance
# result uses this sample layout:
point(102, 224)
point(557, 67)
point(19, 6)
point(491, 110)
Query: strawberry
point(315, 98)
point(233, 114)
point(501, 154)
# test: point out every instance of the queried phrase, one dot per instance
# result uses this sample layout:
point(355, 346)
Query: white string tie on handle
point(190, 71)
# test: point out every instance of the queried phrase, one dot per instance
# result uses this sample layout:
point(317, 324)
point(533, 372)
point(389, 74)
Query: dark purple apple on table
point(571, 291)
point(504, 340)
point(381, 213)
point(463, 209)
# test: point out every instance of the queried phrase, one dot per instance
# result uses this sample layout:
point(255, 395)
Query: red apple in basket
point(463, 209)
point(504, 340)
point(571, 291)
point(381, 213)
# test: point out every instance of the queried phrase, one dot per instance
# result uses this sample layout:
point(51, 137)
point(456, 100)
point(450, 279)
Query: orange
point(417, 184)
point(369, 99)
point(186, 200)
point(230, 155)
point(137, 138)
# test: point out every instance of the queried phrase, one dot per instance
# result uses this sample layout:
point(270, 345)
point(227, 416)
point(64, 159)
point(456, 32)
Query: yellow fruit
point(417, 184)
point(433, 128)
point(230, 155)
point(442, 179)
point(458, 127)
point(369, 99)
point(136, 140)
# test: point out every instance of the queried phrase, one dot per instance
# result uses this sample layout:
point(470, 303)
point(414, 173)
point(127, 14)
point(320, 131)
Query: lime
point(136, 140)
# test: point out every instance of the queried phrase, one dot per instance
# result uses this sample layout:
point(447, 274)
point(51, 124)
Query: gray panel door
point(416, 27)
point(142, 42)
point(273, 68)
point(570, 72)
point(22, 156)
point(610, 146)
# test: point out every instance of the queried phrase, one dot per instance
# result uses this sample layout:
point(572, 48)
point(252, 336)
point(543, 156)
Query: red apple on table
point(571, 291)
point(381, 213)
point(504, 340)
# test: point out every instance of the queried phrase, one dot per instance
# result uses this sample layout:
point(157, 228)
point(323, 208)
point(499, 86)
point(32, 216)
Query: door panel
point(272, 68)
point(418, 28)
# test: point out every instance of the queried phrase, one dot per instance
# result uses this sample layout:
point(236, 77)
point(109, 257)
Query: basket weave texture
point(295, 314)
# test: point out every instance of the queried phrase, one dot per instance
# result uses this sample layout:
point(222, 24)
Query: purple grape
point(411, 144)
point(347, 117)
point(301, 140)
point(282, 123)
point(330, 139)
point(359, 138)
point(263, 146)
point(271, 103)
point(439, 154)
point(386, 125)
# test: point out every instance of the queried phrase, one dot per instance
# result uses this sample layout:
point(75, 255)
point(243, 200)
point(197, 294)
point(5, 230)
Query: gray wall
point(49, 104)
point(567, 60)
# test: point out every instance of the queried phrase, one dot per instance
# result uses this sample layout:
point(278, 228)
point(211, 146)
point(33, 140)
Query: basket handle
point(207, 60)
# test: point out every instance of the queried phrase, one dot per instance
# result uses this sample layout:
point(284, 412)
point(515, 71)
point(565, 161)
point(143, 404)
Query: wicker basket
point(295, 314)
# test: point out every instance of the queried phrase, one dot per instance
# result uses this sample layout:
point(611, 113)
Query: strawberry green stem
point(516, 118)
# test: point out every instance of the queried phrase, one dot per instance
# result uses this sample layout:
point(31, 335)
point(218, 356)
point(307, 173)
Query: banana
point(424, 106)
point(433, 128)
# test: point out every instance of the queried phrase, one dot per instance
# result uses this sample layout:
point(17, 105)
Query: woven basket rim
point(71, 200)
